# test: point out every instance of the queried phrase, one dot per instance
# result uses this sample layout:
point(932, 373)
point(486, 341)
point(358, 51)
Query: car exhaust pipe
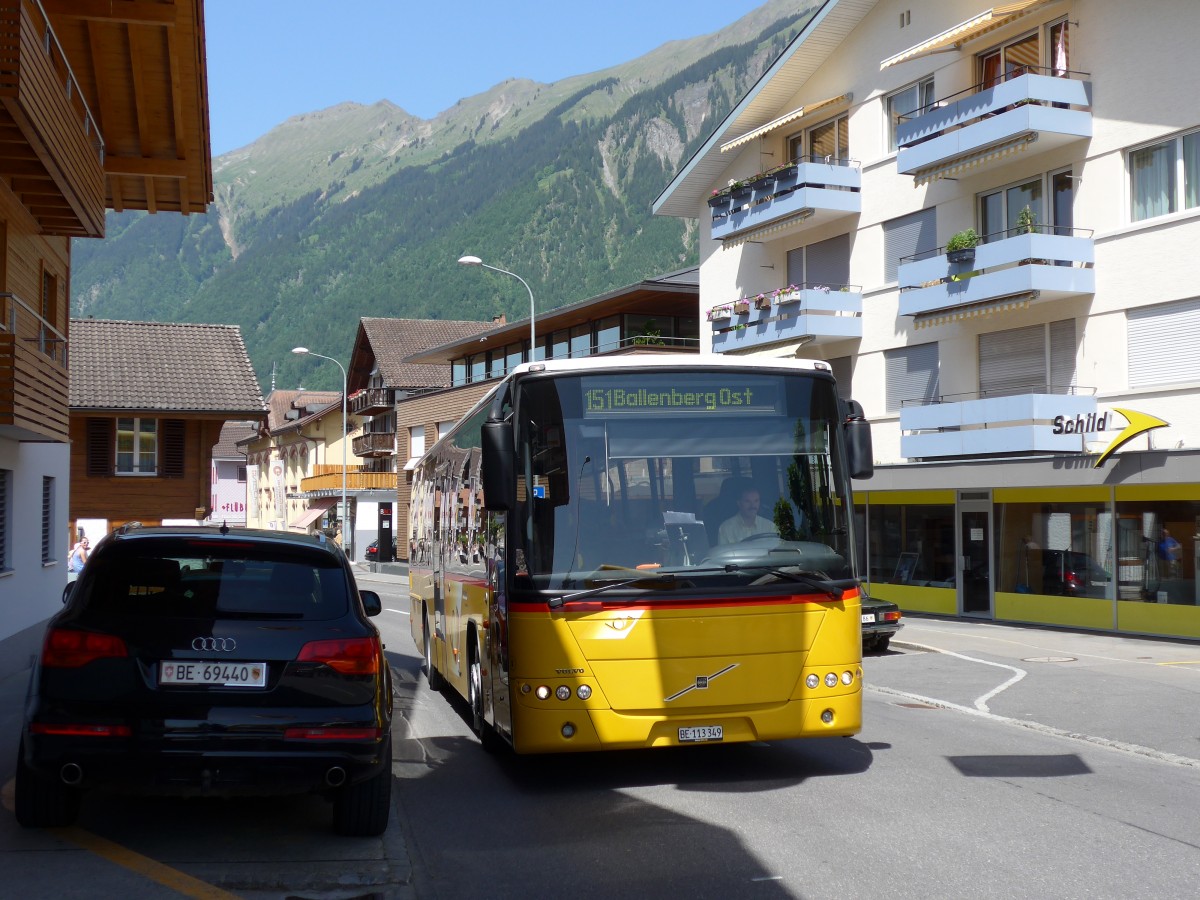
point(335, 777)
point(71, 774)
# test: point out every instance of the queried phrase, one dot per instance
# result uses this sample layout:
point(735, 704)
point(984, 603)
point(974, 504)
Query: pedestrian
point(77, 557)
point(1169, 552)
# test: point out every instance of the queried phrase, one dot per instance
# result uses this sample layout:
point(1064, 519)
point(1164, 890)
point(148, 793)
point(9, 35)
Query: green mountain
point(363, 210)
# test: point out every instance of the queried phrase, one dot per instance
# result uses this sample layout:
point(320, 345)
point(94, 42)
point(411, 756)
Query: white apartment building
point(1034, 406)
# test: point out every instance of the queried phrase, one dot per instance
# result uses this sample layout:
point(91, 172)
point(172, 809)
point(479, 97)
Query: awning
point(316, 509)
point(984, 308)
point(753, 234)
point(975, 27)
point(785, 119)
point(962, 163)
point(412, 463)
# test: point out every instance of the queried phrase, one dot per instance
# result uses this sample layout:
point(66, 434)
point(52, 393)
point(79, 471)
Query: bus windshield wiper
point(664, 579)
point(818, 580)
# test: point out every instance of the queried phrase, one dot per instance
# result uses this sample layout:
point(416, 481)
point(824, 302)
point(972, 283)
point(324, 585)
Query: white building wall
point(1136, 264)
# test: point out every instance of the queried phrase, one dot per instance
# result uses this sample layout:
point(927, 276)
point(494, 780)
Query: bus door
point(496, 681)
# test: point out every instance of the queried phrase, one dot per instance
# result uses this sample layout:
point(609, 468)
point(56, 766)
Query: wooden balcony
point(34, 383)
point(375, 443)
point(51, 153)
point(372, 402)
point(329, 483)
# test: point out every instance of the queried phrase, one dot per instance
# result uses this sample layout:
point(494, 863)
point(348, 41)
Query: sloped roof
point(232, 433)
point(305, 403)
point(165, 366)
point(384, 343)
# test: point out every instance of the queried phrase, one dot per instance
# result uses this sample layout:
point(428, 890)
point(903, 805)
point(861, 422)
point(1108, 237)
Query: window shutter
point(912, 375)
point(906, 236)
point(100, 447)
point(842, 370)
point(1062, 356)
point(172, 448)
point(795, 266)
point(1012, 362)
point(1162, 343)
point(829, 261)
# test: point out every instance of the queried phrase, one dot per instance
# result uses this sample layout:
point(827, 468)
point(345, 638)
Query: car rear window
point(195, 577)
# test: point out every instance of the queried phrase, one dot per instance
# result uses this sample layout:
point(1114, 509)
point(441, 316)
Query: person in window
point(747, 522)
point(1169, 553)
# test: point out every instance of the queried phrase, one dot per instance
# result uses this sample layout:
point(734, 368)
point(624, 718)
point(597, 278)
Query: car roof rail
point(128, 527)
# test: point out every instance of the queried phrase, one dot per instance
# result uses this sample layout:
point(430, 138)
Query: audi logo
point(226, 645)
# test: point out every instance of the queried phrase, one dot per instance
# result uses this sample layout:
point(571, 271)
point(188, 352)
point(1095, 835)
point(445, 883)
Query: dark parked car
point(211, 661)
point(880, 621)
point(372, 551)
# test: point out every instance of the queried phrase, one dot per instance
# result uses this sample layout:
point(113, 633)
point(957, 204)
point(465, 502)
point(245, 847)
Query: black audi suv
point(211, 661)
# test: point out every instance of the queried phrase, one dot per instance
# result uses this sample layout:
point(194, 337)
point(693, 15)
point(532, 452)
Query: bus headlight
point(562, 692)
point(831, 680)
point(847, 677)
point(583, 692)
point(813, 681)
point(542, 692)
point(827, 716)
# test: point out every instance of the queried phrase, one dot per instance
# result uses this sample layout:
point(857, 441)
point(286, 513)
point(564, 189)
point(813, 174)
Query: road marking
point(143, 865)
point(1091, 740)
point(403, 612)
point(1182, 662)
point(981, 703)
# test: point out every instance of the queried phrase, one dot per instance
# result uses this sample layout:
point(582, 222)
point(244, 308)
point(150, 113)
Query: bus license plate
point(700, 733)
point(226, 674)
point(868, 618)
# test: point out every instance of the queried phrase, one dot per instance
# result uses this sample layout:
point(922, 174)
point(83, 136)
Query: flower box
point(965, 255)
point(719, 313)
point(742, 307)
point(762, 301)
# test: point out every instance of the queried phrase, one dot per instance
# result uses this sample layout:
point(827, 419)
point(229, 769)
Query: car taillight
point(66, 648)
point(350, 656)
point(81, 729)
point(333, 734)
point(892, 616)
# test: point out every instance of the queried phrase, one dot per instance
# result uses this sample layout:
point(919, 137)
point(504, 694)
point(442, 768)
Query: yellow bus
point(644, 551)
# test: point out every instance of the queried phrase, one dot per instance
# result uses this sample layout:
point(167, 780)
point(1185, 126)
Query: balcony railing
point(1035, 262)
point(810, 313)
point(372, 401)
point(811, 192)
point(43, 108)
point(978, 124)
point(375, 443)
point(974, 425)
point(329, 484)
point(33, 370)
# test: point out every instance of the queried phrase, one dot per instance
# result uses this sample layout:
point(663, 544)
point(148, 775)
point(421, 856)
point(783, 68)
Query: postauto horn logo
point(1137, 423)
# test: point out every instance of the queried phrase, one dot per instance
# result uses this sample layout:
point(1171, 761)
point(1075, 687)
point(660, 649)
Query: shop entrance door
point(975, 554)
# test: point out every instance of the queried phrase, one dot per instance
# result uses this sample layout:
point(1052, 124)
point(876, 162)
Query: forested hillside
point(305, 238)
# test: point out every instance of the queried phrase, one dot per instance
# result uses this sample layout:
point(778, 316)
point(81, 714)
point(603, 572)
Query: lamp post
point(476, 261)
point(347, 530)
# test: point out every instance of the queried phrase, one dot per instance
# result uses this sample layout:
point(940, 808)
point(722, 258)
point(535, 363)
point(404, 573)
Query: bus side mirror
point(860, 455)
point(499, 466)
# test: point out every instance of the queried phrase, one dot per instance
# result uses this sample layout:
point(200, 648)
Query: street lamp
point(347, 530)
point(476, 261)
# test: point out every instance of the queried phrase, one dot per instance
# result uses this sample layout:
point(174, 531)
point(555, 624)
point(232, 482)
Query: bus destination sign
point(632, 395)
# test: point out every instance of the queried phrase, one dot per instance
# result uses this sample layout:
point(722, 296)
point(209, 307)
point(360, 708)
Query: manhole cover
point(1049, 659)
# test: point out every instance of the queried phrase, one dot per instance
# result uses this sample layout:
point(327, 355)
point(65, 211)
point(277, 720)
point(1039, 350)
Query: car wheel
point(41, 802)
point(363, 809)
point(881, 643)
point(432, 675)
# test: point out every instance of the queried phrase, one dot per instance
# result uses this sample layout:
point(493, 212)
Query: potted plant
point(961, 247)
point(1026, 221)
point(741, 307)
point(719, 202)
point(762, 301)
point(719, 313)
point(740, 191)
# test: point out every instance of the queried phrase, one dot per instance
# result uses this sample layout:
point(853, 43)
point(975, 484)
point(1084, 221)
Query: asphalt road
point(994, 762)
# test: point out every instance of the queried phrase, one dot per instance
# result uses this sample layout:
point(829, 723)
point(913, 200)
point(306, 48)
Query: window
point(416, 441)
point(1165, 177)
point(581, 341)
point(241, 474)
point(513, 355)
point(443, 428)
point(911, 545)
point(912, 375)
point(608, 334)
point(100, 443)
point(137, 446)
point(905, 104)
point(560, 347)
point(824, 263)
point(1009, 61)
point(458, 372)
point(1060, 549)
point(829, 140)
point(1038, 359)
point(1060, 47)
point(999, 211)
point(842, 367)
point(907, 236)
point(1162, 343)
point(478, 364)
point(5, 516)
point(48, 528)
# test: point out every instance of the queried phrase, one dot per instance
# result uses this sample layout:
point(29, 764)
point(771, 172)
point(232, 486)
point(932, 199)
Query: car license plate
point(700, 733)
point(868, 618)
point(200, 671)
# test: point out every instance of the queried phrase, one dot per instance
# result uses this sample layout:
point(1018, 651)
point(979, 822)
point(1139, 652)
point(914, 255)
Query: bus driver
point(747, 522)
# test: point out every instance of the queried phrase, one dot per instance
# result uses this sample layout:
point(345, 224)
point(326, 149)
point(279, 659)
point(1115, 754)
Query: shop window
point(1156, 551)
point(911, 545)
point(1060, 549)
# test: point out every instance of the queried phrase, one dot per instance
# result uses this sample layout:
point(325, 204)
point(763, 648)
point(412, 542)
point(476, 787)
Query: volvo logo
point(226, 645)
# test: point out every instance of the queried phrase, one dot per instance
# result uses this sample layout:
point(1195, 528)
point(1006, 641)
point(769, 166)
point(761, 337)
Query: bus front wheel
point(432, 675)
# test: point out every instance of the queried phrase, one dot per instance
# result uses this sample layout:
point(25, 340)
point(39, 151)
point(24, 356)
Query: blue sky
point(269, 60)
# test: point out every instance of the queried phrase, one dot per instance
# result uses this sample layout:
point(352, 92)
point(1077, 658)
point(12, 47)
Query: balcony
point(328, 483)
point(33, 369)
point(805, 194)
point(375, 443)
point(52, 156)
point(809, 314)
point(372, 401)
point(1029, 112)
point(1017, 266)
point(987, 426)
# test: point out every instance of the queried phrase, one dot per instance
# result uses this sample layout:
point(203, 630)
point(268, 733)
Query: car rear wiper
point(662, 580)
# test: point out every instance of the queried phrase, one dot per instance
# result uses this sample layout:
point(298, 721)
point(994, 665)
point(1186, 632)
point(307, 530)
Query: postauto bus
point(571, 579)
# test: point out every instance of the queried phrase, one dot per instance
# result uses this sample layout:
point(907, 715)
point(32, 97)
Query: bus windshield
point(722, 477)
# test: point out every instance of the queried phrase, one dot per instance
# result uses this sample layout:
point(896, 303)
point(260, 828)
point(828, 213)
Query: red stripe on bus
point(740, 603)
